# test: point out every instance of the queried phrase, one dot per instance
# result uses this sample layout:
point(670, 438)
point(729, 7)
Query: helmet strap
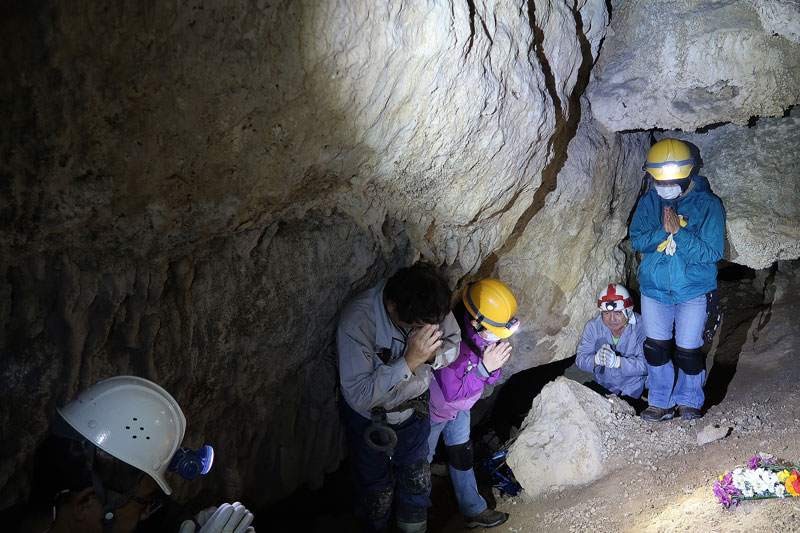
point(110, 505)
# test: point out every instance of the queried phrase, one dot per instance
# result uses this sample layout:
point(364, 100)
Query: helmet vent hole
point(135, 419)
point(141, 428)
point(148, 438)
point(134, 436)
point(127, 427)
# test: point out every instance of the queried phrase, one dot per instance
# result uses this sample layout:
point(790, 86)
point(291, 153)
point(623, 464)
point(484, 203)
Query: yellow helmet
point(493, 305)
point(669, 159)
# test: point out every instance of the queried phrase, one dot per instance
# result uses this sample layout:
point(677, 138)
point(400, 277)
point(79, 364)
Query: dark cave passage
point(746, 306)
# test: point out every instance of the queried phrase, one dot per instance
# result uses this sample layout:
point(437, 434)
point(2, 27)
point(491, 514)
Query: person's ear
point(82, 504)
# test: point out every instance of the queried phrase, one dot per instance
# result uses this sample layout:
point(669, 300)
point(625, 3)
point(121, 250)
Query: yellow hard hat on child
point(492, 304)
point(669, 159)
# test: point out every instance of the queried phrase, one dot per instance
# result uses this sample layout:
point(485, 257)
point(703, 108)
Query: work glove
point(611, 359)
point(600, 355)
point(227, 518)
point(668, 246)
point(605, 356)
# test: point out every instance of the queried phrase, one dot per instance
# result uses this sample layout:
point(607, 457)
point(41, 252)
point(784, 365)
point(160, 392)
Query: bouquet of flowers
point(762, 478)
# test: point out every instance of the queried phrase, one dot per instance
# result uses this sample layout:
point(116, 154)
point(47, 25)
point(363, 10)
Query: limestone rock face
point(682, 64)
point(561, 441)
point(781, 17)
point(193, 192)
point(752, 170)
point(569, 251)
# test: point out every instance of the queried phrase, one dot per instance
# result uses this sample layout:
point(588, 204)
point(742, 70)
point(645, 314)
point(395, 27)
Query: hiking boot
point(689, 413)
point(657, 414)
point(486, 518)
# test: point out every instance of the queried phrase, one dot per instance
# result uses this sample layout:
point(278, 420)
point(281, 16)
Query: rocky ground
point(660, 476)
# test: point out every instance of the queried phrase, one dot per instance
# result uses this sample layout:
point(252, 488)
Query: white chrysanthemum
point(759, 481)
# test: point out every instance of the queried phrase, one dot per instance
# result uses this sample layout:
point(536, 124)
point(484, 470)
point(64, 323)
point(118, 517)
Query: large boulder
point(683, 64)
point(562, 441)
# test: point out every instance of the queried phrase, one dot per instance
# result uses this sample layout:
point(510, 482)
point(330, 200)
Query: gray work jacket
point(365, 330)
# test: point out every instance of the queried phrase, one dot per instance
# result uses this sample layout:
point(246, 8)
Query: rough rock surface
point(563, 440)
point(683, 64)
point(192, 193)
point(710, 433)
point(573, 436)
point(747, 169)
point(569, 248)
point(781, 17)
point(661, 479)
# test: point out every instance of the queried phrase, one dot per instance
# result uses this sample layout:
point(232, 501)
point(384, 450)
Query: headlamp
point(191, 464)
point(513, 325)
point(670, 168)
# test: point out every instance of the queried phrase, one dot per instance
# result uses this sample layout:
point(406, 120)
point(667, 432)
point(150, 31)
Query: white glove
point(227, 518)
point(611, 359)
point(599, 356)
point(605, 356)
point(668, 246)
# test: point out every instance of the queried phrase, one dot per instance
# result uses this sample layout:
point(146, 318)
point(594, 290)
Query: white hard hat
point(614, 297)
point(132, 419)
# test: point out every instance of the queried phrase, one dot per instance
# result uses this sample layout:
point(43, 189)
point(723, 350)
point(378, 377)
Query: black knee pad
point(379, 503)
point(460, 455)
point(656, 352)
point(416, 477)
point(690, 360)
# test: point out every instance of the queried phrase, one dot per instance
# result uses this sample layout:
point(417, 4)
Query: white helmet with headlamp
point(139, 423)
point(615, 297)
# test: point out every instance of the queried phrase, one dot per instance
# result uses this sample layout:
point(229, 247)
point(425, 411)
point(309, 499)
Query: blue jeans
point(376, 476)
point(666, 387)
point(455, 432)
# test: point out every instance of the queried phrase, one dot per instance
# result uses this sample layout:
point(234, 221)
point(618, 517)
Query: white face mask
point(669, 192)
point(491, 337)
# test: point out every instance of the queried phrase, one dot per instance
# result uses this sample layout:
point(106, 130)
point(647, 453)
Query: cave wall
point(689, 64)
point(752, 171)
point(191, 192)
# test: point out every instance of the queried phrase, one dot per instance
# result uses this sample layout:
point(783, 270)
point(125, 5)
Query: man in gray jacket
point(611, 346)
point(389, 340)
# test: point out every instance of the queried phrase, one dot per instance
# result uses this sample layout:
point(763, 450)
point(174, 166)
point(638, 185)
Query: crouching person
point(486, 315)
point(612, 346)
point(107, 459)
point(390, 339)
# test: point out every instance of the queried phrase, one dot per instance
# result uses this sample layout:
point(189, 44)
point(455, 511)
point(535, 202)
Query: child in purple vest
point(485, 316)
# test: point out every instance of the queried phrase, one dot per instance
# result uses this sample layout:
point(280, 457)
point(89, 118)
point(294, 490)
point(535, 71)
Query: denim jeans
point(669, 385)
point(456, 431)
point(374, 472)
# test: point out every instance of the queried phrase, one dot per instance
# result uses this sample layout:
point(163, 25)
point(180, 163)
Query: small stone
point(711, 433)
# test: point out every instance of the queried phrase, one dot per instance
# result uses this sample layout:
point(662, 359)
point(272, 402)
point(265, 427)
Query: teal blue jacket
point(692, 270)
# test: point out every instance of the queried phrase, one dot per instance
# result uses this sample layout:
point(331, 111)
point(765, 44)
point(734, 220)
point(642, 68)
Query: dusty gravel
point(660, 479)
